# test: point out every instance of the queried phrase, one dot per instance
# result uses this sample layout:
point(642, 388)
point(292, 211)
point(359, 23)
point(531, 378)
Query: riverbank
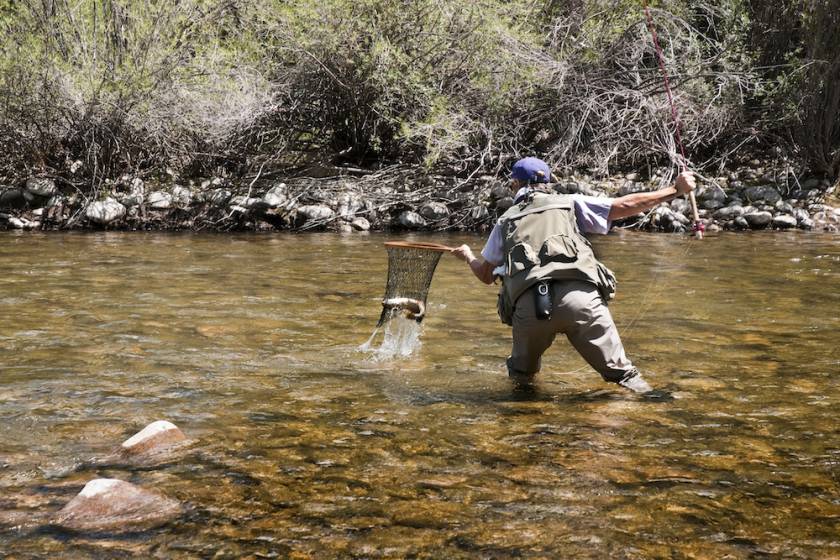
point(756, 195)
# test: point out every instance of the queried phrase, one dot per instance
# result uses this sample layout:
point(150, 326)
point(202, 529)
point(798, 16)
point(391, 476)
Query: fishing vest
point(541, 241)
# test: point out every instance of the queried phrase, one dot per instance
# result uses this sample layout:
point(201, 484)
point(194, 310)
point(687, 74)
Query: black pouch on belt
point(542, 300)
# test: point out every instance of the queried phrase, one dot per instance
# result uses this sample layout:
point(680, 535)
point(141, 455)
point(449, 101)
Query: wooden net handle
point(420, 245)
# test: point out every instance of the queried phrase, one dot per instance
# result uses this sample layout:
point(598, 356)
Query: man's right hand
point(685, 183)
point(464, 253)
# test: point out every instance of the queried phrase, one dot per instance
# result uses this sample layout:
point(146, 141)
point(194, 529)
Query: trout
point(412, 308)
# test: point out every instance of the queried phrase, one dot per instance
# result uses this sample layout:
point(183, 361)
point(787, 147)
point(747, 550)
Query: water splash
point(400, 338)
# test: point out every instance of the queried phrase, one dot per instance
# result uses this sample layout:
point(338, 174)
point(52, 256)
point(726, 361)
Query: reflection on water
point(306, 447)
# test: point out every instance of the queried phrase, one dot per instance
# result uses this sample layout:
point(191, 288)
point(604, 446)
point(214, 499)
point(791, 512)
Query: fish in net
point(410, 270)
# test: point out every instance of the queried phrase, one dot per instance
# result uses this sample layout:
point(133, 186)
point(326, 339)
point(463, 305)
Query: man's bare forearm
point(636, 203)
point(482, 269)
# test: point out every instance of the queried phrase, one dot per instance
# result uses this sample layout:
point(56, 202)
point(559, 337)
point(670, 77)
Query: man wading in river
point(551, 281)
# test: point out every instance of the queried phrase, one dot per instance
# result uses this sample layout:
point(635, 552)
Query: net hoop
point(419, 245)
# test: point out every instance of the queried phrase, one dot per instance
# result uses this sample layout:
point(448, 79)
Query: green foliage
point(205, 86)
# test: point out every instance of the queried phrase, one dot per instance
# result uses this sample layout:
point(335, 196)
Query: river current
point(307, 447)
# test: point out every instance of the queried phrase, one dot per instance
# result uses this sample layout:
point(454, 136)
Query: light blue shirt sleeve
point(592, 215)
point(492, 251)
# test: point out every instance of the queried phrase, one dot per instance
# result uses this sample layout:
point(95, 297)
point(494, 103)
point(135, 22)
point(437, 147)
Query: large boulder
point(105, 211)
point(116, 506)
point(41, 187)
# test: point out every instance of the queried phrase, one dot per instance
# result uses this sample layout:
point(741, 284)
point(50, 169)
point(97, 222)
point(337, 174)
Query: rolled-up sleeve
point(592, 213)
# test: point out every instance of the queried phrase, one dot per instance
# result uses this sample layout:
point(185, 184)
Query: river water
point(306, 447)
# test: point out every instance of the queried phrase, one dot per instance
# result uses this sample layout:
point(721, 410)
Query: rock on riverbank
point(754, 196)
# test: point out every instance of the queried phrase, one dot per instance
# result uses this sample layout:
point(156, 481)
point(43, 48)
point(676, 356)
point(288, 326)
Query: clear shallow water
point(308, 448)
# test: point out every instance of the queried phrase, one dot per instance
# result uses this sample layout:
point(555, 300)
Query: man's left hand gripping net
point(410, 270)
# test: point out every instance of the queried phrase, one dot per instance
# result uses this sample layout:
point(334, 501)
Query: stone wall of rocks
point(399, 199)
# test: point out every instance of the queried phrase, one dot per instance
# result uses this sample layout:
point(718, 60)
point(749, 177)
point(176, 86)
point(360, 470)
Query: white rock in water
point(105, 211)
point(107, 504)
point(159, 200)
point(41, 187)
point(155, 436)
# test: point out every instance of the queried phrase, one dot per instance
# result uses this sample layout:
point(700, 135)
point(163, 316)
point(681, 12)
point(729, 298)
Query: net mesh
point(410, 271)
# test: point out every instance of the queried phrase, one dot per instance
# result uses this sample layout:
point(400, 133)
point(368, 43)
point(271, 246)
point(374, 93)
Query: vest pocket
point(559, 248)
point(521, 257)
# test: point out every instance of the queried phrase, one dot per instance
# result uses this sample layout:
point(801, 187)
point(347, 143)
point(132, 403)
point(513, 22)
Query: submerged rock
point(111, 505)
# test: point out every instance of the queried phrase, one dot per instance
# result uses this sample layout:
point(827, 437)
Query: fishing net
point(410, 270)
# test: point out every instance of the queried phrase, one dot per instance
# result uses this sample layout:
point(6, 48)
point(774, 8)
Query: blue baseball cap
point(528, 170)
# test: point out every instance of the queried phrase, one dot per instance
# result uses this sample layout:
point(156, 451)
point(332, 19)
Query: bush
point(227, 87)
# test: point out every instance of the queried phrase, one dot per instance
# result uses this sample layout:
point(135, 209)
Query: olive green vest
point(541, 241)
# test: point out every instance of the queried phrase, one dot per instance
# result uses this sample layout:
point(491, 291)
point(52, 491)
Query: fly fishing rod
point(698, 228)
